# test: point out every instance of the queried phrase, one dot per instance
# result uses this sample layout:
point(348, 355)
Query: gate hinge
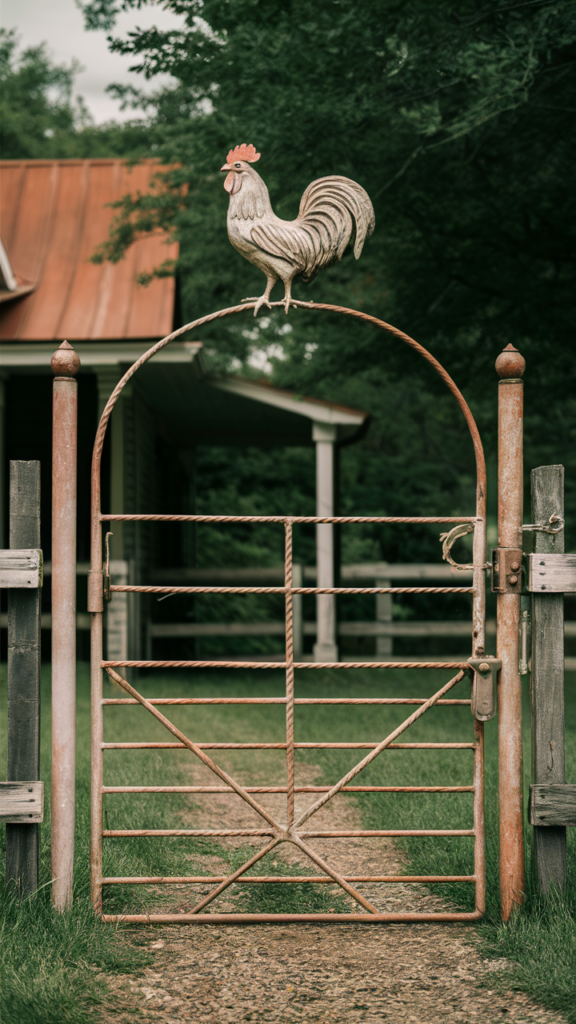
point(506, 570)
point(484, 686)
point(95, 602)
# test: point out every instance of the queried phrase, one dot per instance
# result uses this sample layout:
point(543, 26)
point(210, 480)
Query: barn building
point(53, 215)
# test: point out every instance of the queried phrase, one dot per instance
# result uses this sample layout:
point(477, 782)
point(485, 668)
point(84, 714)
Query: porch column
point(325, 648)
point(117, 615)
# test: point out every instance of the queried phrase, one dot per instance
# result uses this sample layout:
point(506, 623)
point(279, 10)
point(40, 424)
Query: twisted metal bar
point(133, 589)
point(126, 833)
point(184, 701)
point(258, 879)
point(289, 611)
point(153, 517)
point(282, 664)
point(155, 745)
point(282, 789)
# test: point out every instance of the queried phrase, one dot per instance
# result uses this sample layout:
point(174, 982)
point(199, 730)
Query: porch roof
point(53, 215)
point(194, 405)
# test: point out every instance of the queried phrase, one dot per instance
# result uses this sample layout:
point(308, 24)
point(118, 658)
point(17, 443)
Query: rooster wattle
point(332, 211)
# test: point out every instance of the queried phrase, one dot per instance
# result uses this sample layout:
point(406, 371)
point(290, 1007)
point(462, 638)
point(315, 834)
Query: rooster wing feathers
point(332, 210)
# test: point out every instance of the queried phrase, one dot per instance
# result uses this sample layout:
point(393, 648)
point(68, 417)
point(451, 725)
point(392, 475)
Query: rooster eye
point(236, 165)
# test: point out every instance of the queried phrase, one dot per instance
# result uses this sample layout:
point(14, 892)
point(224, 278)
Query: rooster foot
point(260, 301)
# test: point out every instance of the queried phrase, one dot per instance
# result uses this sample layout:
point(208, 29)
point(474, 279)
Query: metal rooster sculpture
point(332, 210)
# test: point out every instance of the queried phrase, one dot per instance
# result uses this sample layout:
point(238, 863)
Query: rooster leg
point(263, 300)
point(287, 294)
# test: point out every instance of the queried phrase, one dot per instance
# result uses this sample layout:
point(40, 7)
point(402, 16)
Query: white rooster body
point(333, 210)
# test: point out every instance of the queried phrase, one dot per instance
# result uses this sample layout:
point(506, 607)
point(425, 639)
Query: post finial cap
point(510, 363)
point(65, 362)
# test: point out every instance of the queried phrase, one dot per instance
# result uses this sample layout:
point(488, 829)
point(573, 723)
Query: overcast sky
point(60, 24)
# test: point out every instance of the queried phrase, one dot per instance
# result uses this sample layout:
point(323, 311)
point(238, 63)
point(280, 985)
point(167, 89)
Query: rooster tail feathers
point(339, 212)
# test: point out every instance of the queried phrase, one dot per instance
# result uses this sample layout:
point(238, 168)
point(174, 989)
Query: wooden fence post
point(547, 680)
point(23, 765)
point(506, 581)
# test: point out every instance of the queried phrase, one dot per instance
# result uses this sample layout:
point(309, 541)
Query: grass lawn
point(52, 965)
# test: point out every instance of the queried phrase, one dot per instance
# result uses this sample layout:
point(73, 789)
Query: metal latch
point(525, 637)
point(107, 594)
point(484, 701)
point(506, 570)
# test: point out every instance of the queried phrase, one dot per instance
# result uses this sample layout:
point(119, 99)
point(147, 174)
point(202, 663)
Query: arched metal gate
point(296, 829)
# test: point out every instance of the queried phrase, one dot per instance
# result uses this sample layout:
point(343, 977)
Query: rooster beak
point(226, 167)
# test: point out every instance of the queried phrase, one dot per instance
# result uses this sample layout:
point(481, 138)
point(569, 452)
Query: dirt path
point(326, 974)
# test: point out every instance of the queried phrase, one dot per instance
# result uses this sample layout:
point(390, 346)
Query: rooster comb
point(243, 152)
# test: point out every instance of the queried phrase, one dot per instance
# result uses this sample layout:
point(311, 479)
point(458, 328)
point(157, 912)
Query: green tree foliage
point(36, 106)
point(457, 121)
point(41, 118)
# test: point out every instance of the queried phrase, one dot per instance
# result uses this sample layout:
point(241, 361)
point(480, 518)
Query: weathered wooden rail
point(551, 574)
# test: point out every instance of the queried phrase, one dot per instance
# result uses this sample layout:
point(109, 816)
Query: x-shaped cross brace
point(280, 833)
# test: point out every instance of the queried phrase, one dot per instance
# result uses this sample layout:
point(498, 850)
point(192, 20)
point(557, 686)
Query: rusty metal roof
point(53, 214)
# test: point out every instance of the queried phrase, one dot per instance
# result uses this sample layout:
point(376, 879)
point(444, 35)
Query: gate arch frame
point(96, 608)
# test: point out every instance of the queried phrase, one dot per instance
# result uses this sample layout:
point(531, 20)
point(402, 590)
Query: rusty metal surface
point(159, 701)
point(284, 918)
point(506, 570)
point(291, 830)
point(282, 664)
point(97, 760)
point(54, 213)
point(154, 518)
point(283, 789)
point(154, 745)
point(260, 879)
point(66, 363)
point(293, 590)
point(510, 366)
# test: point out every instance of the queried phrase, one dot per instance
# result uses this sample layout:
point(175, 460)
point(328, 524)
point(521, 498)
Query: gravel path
point(326, 974)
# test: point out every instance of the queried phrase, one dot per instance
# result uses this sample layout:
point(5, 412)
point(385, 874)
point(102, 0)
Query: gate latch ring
point(448, 539)
point(485, 671)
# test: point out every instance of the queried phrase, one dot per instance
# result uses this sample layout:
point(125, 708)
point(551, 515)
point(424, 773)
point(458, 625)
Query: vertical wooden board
point(23, 761)
point(547, 679)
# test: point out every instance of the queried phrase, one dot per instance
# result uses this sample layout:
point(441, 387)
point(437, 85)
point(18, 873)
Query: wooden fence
point(384, 627)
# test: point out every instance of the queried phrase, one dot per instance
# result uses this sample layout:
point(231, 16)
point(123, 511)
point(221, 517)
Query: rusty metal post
point(510, 367)
point(65, 364)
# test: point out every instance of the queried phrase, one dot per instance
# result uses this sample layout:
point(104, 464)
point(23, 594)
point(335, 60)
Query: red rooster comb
point(243, 152)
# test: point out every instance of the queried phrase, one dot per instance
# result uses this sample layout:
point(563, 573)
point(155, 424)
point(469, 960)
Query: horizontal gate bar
point(126, 589)
point(283, 789)
point(282, 664)
point(259, 879)
point(476, 915)
point(156, 745)
point(279, 700)
point(125, 833)
point(152, 518)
